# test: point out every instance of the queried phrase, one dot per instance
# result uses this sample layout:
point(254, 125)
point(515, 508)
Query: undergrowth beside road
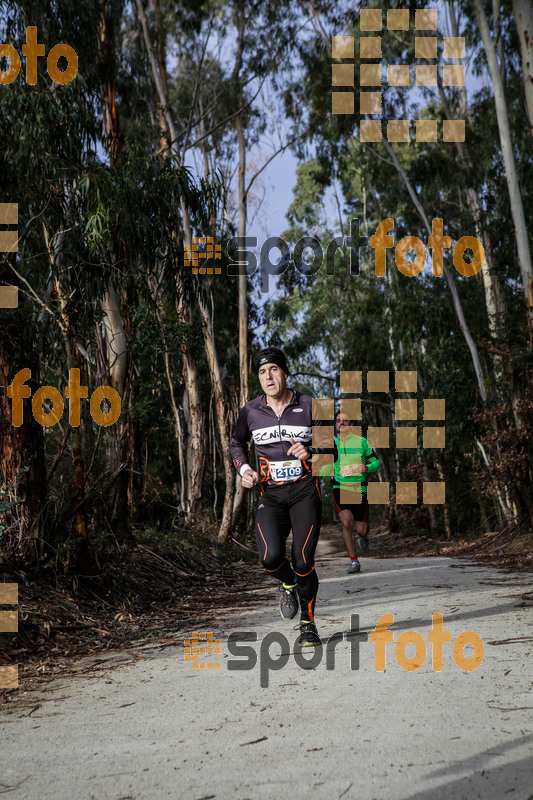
point(145, 593)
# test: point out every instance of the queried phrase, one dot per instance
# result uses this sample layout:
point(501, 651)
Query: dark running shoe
point(354, 567)
point(288, 604)
point(363, 542)
point(308, 635)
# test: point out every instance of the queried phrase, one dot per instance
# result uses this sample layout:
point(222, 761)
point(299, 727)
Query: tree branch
point(280, 150)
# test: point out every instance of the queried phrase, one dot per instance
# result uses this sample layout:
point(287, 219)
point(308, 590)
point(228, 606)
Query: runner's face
point(342, 421)
point(273, 380)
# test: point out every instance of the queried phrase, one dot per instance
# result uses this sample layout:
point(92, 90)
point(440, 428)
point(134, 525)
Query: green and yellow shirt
point(350, 453)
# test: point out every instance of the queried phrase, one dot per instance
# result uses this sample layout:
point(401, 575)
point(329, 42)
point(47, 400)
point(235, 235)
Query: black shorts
point(359, 510)
point(294, 505)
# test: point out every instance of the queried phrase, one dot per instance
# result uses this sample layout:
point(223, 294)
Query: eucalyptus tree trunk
point(194, 417)
point(120, 444)
point(476, 362)
point(193, 476)
point(393, 467)
point(161, 53)
point(517, 209)
point(456, 300)
point(494, 301)
point(243, 278)
point(80, 522)
point(121, 439)
point(243, 299)
point(115, 336)
point(220, 405)
point(422, 460)
point(445, 510)
point(179, 435)
point(22, 471)
point(523, 14)
point(175, 409)
point(494, 298)
point(78, 469)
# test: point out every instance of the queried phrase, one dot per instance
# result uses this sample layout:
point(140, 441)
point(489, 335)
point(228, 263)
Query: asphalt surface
point(154, 727)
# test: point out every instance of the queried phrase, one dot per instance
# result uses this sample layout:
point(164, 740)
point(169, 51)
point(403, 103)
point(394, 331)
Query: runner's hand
point(298, 450)
point(363, 468)
point(250, 478)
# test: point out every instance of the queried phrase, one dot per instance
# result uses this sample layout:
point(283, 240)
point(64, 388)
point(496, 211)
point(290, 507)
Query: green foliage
point(97, 214)
point(335, 322)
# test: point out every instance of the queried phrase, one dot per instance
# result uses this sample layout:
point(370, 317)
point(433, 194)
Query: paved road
point(156, 728)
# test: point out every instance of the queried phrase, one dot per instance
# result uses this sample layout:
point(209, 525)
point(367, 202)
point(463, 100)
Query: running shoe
point(354, 567)
point(363, 541)
point(308, 635)
point(288, 604)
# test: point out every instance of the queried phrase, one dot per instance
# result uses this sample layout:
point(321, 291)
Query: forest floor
point(135, 721)
point(510, 548)
point(146, 596)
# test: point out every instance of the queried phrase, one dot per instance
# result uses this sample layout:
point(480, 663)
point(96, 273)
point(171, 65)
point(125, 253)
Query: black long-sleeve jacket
point(272, 435)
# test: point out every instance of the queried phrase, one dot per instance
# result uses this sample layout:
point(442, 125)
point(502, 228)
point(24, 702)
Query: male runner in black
point(280, 422)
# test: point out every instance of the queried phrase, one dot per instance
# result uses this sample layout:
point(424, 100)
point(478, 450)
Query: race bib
point(350, 469)
point(285, 470)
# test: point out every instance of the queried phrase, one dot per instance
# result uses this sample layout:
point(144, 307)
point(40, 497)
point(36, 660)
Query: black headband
point(271, 355)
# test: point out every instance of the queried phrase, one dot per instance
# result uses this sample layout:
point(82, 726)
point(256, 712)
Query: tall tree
point(523, 14)
point(515, 197)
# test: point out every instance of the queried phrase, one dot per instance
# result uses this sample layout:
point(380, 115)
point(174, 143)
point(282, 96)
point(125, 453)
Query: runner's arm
point(239, 443)
point(325, 470)
point(372, 461)
point(319, 451)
